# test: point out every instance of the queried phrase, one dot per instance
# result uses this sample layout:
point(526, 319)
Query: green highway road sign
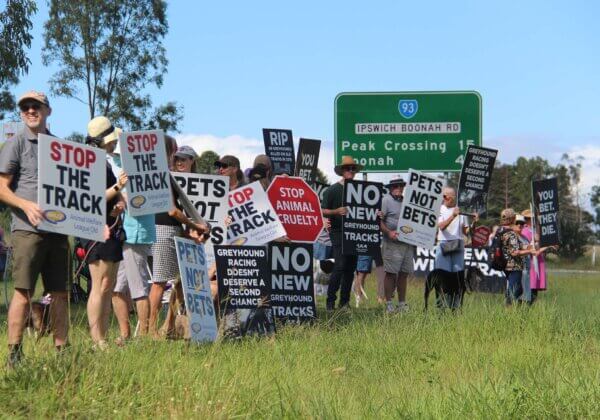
point(398, 131)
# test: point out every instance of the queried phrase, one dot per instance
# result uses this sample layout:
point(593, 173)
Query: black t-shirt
point(111, 180)
point(333, 198)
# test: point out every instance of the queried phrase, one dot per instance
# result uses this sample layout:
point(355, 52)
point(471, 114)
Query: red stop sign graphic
point(298, 208)
point(480, 236)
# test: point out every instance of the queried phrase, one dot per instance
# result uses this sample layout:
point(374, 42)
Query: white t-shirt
point(454, 229)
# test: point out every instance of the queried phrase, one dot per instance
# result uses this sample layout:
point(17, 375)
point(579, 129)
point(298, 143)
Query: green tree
point(108, 52)
point(321, 177)
point(15, 38)
point(595, 202)
point(205, 163)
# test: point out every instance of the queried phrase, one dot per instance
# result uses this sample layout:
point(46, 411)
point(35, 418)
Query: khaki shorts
point(134, 273)
point(398, 257)
point(40, 253)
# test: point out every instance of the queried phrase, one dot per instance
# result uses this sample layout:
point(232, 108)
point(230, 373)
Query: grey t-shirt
point(390, 207)
point(19, 158)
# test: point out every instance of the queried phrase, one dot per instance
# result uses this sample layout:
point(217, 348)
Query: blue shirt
point(138, 229)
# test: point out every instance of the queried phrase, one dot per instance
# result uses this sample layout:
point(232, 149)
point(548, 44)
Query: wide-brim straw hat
point(398, 181)
point(526, 213)
point(101, 128)
point(347, 161)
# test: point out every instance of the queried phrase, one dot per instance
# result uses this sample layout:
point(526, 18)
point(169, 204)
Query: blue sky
point(237, 67)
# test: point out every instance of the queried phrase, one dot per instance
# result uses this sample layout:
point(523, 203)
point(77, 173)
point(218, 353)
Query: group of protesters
point(122, 277)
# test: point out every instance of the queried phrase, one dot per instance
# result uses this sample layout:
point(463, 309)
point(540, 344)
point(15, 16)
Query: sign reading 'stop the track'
point(395, 131)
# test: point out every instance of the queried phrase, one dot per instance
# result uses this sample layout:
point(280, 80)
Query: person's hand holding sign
point(32, 211)
point(393, 235)
point(341, 211)
point(118, 209)
point(122, 181)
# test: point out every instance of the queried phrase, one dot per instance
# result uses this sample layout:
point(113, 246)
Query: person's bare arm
point(31, 209)
point(392, 234)
point(340, 211)
point(444, 224)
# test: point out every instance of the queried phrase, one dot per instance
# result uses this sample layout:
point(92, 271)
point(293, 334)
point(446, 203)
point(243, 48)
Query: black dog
point(450, 288)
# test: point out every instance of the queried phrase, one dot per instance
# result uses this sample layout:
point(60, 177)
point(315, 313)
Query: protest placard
point(292, 283)
point(144, 159)
point(360, 225)
point(545, 204)
point(208, 195)
point(279, 146)
point(72, 188)
point(196, 289)
point(298, 208)
point(480, 236)
point(253, 219)
point(244, 290)
point(420, 209)
point(475, 179)
point(308, 159)
point(483, 278)
point(319, 188)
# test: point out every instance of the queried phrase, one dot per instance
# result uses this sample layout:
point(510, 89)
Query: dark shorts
point(40, 253)
point(111, 250)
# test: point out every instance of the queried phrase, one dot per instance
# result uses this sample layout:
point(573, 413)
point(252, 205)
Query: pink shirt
point(536, 280)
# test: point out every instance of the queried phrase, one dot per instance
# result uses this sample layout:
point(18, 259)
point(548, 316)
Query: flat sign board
point(72, 188)
point(396, 131)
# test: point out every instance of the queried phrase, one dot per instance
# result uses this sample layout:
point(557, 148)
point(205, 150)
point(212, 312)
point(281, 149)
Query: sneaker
point(402, 307)
point(389, 307)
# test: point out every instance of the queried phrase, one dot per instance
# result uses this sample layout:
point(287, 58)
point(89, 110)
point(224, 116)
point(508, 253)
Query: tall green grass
point(486, 362)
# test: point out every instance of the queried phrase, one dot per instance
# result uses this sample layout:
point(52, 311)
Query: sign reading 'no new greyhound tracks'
point(395, 131)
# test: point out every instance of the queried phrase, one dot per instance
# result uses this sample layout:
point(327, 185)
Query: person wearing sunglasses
point(34, 252)
point(332, 206)
point(230, 166)
point(449, 254)
point(515, 249)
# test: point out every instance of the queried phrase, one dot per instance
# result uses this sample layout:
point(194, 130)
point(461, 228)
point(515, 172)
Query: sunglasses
point(220, 165)
point(36, 106)
point(350, 168)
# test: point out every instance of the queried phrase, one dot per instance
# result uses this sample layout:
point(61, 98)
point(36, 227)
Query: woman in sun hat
point(103, 258)
point(537, 269)
point(514, 250)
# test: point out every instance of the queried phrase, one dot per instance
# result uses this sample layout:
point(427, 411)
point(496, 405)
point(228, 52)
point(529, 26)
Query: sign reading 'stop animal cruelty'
point(279, 146)
point(196, 289)
point(475, 180)
point(545, 204)
point(420, 209)
point(72, 188)
point(360, 225)
point(292, 285)
point(298, 208)
point(144, 158)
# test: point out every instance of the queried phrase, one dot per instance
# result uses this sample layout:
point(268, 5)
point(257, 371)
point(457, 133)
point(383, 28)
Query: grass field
point(486, 362)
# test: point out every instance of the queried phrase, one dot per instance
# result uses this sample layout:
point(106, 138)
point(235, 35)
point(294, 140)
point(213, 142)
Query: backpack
point(496, 253)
